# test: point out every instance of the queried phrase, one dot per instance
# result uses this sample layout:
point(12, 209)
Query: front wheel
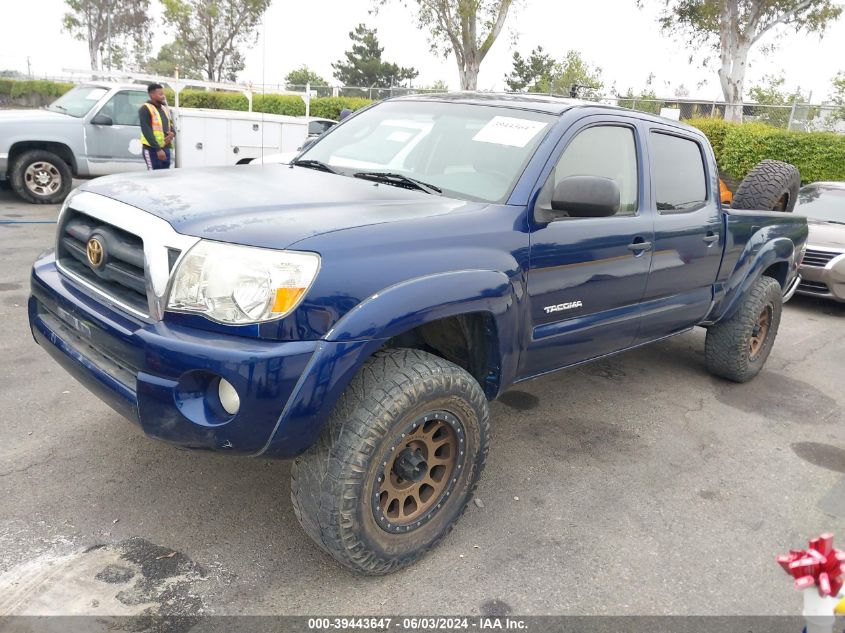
point(737, 348)
point(41, 177)
point(396, 464)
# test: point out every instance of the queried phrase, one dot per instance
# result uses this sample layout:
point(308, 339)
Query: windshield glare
point(822, 203)
point(468, 151)
point(77, 102)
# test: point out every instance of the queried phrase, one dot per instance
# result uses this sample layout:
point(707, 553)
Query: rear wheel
point(737, 348)
point(771, 186)
point(41, 177)
point(396, 464)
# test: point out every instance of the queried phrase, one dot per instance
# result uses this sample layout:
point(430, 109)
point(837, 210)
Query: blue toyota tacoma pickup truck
point(357, 310)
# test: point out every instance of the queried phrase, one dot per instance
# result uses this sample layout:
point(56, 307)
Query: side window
point(318, 127)
point(123, 107)
point(680, 183)
point(606, 150)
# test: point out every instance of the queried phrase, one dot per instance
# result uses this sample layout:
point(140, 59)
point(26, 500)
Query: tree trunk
point(732, 78)
point(469, 78)
point(734, 46)
point(93, 54)
point(93, 42)
point(468, 66)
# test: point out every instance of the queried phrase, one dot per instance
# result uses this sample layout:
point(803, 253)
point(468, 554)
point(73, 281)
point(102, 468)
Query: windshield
point(826, 204)
point(78, 101)
point(467, 151)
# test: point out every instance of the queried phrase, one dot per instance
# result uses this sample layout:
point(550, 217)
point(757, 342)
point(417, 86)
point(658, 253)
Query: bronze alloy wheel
point(418, 472)
point(760, 332)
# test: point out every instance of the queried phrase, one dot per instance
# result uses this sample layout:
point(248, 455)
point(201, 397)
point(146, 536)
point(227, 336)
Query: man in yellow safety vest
point(157, 132)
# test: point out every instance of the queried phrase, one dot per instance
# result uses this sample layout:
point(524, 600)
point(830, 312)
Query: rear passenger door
point(688, 233)
point(587, 276)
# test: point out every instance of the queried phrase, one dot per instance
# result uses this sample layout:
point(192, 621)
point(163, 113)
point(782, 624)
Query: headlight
point(241, 284)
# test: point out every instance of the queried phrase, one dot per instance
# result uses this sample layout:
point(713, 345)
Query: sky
point(613, 34)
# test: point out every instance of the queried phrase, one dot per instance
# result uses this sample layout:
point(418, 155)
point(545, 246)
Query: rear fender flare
point(749, 269)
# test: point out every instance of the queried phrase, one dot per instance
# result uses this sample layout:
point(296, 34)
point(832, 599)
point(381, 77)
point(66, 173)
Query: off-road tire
point(18, 177)
point(727, 348)
point(333, 483)
point(771, 186)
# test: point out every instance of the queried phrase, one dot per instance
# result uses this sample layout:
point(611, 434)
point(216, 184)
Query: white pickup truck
point(93, 130)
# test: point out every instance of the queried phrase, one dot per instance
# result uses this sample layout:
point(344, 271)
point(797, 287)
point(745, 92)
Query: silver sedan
point(823, 269)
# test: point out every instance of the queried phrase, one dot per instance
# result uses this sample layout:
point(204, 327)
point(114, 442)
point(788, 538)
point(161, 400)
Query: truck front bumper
point(164, 377)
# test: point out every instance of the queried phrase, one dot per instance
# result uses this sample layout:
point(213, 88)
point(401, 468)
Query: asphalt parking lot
point(636, 485)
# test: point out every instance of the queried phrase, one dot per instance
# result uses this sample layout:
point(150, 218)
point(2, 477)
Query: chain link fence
point(373, 93)
point(805, 117)
point(798, 116)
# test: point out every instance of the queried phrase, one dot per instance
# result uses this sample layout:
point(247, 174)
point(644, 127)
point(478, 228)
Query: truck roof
point(528, 101)
point(108, 85)
point(548, 104)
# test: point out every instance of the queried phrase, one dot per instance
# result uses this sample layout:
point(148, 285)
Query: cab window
point(123, 107)
point(680, 183)
point(609, 151)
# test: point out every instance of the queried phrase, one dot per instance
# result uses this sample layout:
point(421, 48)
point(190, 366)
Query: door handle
point(639, 246)
point(710, 239)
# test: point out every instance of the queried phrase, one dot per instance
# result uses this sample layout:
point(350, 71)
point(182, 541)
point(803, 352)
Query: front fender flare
point(367, 328)
point(411, 303)
point(415, 302)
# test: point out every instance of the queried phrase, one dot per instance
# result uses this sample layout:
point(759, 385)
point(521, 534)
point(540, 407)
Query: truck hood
point(826, 234)
point(272, 206)
point(18, 117)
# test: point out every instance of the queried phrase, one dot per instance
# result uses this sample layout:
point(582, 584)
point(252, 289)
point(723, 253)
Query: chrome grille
point(120, 274)
point(819, 258)
point(144, 247)
point(813, 286)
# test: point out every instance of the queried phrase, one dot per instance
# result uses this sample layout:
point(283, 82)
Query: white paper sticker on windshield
point(505, 130)
point(400, 137)
point(96, 94)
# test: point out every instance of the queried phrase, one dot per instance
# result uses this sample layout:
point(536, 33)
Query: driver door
point(116, 148)
point(587, 275)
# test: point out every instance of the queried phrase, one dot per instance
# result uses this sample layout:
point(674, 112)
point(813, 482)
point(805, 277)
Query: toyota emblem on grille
point(94, 251)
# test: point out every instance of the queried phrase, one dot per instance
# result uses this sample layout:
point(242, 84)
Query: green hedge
point(324, 107)
point(15, 88)
point(740, 146)
point(715, 130)
point(330, 107)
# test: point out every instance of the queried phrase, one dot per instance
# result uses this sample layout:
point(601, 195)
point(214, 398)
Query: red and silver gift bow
point(821, 566)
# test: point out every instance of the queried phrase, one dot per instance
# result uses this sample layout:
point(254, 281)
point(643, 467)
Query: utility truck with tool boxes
point(94, 130)
point(358, 309)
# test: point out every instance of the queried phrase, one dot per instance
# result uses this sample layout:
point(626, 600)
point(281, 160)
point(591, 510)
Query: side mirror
point(308, 143)
point(102, 119)
point(583, 197)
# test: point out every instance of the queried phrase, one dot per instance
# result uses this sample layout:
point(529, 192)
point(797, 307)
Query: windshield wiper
point(399, 180)
point(60, 107)
point(314, 164)
point(833, 221)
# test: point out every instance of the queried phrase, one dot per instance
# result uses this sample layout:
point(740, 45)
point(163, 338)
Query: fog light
point(228, 397)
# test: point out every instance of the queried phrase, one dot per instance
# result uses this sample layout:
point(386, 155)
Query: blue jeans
point(153, 161)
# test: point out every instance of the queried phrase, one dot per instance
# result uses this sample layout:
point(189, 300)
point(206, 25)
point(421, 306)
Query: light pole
point(108, 36)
